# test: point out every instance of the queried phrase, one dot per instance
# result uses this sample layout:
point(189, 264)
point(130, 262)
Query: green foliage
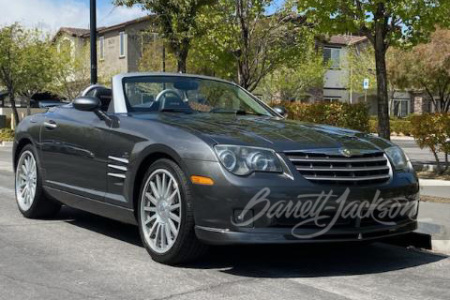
point(433, 131)
point(240, 41)
point(177, 21)
point(6, 134)
point(353, 116)
point(293, 80)
point(426, 67)
point(385, 23)
point(360, 63)
point(25, 62)
point(398, 127)
point(403, 26)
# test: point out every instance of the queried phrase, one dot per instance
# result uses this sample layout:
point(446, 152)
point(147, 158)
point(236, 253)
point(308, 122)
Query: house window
point(333, 55)
point(401, 108)
point(331, 99)
point(122, 44)
point(102, 47)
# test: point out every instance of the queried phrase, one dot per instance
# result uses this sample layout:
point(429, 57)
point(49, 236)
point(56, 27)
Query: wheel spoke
point(170, 198)
point(151, 198)
point(158, 185)
point(162, 233)
point(174, 206)
point(163, 185)
point(154, 189)
point(149, 219)
point(173, 228)
point(152, 229)
point(167, 233)
point(174, 217)
point(150, 209)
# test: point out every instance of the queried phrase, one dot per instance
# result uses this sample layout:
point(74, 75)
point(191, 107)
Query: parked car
point(45, 103)
point(182, 156)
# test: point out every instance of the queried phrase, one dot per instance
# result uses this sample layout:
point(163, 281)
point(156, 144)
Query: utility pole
point(93, 27)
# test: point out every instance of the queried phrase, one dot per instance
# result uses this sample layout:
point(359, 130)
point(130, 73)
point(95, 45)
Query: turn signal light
point(202, 180)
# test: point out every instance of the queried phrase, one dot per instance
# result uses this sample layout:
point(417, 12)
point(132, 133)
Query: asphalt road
point(417, 155)
point(81, 256)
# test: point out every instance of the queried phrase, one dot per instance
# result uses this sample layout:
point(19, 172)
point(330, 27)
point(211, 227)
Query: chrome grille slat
point(331, 166)
point(335, 160)
point(359, 178)
point(368, 169)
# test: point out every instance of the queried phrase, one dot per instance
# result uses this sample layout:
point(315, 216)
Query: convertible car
point(186, 157)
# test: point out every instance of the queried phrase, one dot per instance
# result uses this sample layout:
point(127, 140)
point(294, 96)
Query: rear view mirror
point(86, 103)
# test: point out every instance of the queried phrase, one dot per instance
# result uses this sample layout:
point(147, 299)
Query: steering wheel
point(164, 93)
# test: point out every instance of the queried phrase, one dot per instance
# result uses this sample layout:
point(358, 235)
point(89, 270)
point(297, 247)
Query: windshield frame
point(135, 78)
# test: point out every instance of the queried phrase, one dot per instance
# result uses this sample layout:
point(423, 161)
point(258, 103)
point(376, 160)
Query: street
point(81, 256)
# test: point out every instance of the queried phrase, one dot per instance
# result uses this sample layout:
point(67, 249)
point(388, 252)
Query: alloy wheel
point(161, 210)
point(26, 180)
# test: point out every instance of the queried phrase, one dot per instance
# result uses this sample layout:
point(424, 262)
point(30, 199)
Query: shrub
point(353, 116)
point(400, 127)
point(6, 134)
point(433, 131)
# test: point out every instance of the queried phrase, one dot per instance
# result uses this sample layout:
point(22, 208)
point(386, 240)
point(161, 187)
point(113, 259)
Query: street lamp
point(93, 27)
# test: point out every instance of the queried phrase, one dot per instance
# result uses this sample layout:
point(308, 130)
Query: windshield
point(189, 95)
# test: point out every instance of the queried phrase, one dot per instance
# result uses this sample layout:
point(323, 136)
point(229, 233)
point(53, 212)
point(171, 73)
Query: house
point(337, 87)
point(119, 47)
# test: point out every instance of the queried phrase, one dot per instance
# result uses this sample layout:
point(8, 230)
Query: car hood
point(274, 133)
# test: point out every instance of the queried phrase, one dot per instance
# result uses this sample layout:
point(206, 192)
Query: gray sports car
point(194, 160)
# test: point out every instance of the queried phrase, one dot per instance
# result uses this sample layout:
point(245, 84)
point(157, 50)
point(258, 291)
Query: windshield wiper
point(177, 110)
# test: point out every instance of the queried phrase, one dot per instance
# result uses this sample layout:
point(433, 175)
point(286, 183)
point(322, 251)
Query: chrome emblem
point(346, 152)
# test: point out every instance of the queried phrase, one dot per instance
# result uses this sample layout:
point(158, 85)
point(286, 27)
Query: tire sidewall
point(186, 224)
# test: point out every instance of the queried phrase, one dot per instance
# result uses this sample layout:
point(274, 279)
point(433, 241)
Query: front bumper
point(217, 208)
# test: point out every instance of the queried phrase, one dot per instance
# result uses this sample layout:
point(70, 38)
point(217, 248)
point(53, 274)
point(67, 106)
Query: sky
point(49, 15)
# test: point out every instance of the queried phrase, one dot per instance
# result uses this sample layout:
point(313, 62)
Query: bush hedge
point(6, 134)
point(353, 116)
point(398, 127)
point(433, 131)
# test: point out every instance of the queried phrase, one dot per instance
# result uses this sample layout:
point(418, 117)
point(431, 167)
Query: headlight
point(245, 160)
point(398, 158)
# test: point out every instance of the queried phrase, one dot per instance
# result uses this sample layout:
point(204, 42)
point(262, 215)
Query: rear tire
point(30, 197)
point(165, 215)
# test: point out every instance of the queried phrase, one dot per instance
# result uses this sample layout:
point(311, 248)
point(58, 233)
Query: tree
point(241, 35)
point(72, 71)
point(152, 58)
point(385, 23)
point(177, 21)
point(293, 80)
point(25, 63)
point(360, 64)
point(427, 67)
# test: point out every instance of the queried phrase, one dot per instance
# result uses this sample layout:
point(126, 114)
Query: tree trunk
point(29, 107)
point(12, 99)
point(384, 129)
point(181, 59)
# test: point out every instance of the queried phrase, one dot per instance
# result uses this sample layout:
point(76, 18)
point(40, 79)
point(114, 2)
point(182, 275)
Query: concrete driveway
point(82, 256)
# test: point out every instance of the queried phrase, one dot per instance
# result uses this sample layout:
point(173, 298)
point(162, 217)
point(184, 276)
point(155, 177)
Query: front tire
point(30, 197)
point(166, 216)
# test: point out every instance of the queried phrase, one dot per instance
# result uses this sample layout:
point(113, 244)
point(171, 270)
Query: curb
point(6, 144)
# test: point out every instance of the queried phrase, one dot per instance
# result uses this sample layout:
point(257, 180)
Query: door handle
point(50, 124)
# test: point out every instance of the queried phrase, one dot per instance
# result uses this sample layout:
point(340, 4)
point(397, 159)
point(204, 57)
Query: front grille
point(332, 167)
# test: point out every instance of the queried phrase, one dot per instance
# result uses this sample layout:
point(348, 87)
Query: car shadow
point(276, 261)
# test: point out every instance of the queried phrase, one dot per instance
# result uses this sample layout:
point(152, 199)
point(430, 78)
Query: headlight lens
point(242, 160)
point(398, 158)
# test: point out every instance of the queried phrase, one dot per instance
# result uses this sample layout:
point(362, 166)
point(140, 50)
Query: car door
point(73, 152)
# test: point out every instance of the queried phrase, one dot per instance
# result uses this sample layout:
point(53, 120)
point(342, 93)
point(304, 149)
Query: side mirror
point(281, 110)
point(86, 103)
